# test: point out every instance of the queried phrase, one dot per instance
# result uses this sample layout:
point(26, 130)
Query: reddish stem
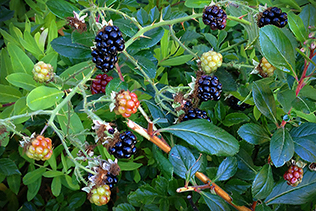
point(7, 104)
point(253, 207)
point(119, 71)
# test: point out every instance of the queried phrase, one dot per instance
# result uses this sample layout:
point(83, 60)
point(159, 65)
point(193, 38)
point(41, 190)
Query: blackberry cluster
point(99, 83)
point(233, 103)
point(111, 180)
point(108, 41)
point(194, 113)
point(209, 88)
point(215, 17)
point(274, 16)
point(124, 148)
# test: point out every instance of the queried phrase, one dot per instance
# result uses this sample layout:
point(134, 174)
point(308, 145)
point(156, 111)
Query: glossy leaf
point(304, 138)
point(14, 182)
point(144, 194)
point(304, 104)
point(147, 65)
point(297, 26)
point(302, 193)
point(277, 48)
point(21, 108)
point(281, 147)
point(164, 165)
point(33, 188)
point(115, 85)
point(22, 80)
point(65, 47)
point(215, 202)
point(56, 186)
point(253, 133)
point(33, 176)
point(77, 200)
point(206, 137)
point(61, 9)
point(126, 27)
point(196, 3)
point(264, 100)
point(226, 169)
point(83, 67)
point(52, 173)
point(43, 97)
point(124, 207)
point(8, 167)
point(6, 66)
point(151, 38)
point(235, 118)
point(175, 61)
point(308, 15)
point(220, 111)
point(9, 94)
point(21, 63)
point(129, 166)
point(85, 38)
point(263, 183)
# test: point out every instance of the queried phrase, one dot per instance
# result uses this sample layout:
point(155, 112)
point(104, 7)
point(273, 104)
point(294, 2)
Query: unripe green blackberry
point(210, 61)
point(43, 72)
point(100, 195)
point(265, 68)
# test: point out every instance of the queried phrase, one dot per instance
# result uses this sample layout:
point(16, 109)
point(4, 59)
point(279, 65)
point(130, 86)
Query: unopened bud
point(311, 35)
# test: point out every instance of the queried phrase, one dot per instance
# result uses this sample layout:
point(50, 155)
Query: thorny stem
point(166, 148)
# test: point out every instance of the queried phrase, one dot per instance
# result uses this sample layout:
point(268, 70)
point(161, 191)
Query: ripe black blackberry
point(215, 17)
point(233, 103)
point(195, 113)
point(111, 180)
point(108, 41)
point(274, 16)
point(124, 148)
point(209, 88)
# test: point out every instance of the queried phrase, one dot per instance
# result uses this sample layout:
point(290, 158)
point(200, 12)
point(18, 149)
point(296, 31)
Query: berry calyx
point(124, 147)
point(40, 148)
point(210, 61)
point(99, 83)
point(293, 175)
point(100, 195)
point(265, 68)
point(215, 17)
point(209, 88)
point(126, 103)
point(233, 103)
point(43, 72)
point(274, 16)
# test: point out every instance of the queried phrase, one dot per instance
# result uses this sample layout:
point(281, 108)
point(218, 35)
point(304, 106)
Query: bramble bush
point(158, 105)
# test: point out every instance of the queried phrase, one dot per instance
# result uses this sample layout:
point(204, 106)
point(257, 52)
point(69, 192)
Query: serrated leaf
point(21, 63)
point(65, 47)
point(22, 80)
point(43, 97)
point(8, 167)
point(297, 26)
point(264, 100)
point(83, 67)
point(142, 16)
point(9, 94)
point(304, 105)
point(281, 147)
point(144, 194)
point(304, 192)
point(61, 9)
point(14, 182)
point(215, 202)
point(175, 61)
point(253, 133)
point(151, 38)
point(263, 183)
point(226, 169)
point(33, 176)
point(206, 137)
point(235, 118)
point(84, 38)
point(147, 65)
point(308, 15)
point(56, 186)
point(277, 48)
point(126, 26)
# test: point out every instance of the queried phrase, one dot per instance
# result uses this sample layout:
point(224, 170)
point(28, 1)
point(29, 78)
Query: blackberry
point(233, 103)
point(111, 180)
point(209, 88)
point(274, 16)
point(108, 41)
point(215, 17)
point(195, 113)
point(124, 148)
point(99, 83)
point(293, 175)
point(265, 68)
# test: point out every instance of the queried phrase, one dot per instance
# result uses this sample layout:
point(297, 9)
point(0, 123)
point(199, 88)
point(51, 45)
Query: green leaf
point(83, 67)
point(115, 85)
point(235, 118)
point(70, 183)
point(144, 194)
point(61, 8)
point(264, 100)
point(14, 182)
point(226, 169)
point(183, 161)
point(53, 173)
point(56, 186)
point(263, 183)
point(77, 200)
point(297, 26)
point(277, 48)
point(196, 3)
point(164, 165)
point(126, 27)
point(9, 94)
point(304, 104)
point(43, 97)
point(6, 66)
point(51, 58)
point(21, 63)
point(65, 47)
point(253, 133)
point(84, 38)
point(308, 15)
point(285, 98)
point(154, 14)
point(147, 65)
point(281, 147)
point(8, 167)
point(308, 91)
point(151, 38)
point(21, 108)
point(220, 111)
point(129, 166)
point(227, 80)
point(175, 61)
point(22, 80)
point(212, 40)
point(215, 202)
point(304, 192)
point(263, 207)
point(33, 176)
point(206, 137)
point(304, 138)
point(142, 16)
point(30, 44)
point(33, 188)
point(124, 207)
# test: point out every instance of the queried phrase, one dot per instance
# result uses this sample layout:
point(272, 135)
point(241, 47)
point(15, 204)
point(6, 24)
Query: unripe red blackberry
point(210, 61)
point(99, 83)
point(274, 16)
point(209, 88)
point(215, 17)
point(43, 72)
point(293, 175)
point(233, 103)
point(40, 148)
point(109, 40)
point(100, 195)
point(125, 147)
point(265, 68)
point(126, 103)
